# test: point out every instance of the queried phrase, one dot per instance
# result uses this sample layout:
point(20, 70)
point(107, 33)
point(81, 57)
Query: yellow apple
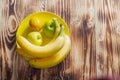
point(35, 38)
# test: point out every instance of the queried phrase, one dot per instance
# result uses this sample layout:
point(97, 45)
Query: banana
point(42, 51)
point(52, 60)
point(24, 54)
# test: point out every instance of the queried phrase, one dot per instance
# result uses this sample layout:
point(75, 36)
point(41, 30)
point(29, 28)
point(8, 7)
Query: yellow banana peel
point(52, 60)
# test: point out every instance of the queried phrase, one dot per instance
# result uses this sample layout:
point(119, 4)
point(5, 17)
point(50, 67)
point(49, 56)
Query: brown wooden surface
point(95, 34)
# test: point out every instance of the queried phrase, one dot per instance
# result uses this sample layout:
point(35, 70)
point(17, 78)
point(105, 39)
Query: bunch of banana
point(50, 54)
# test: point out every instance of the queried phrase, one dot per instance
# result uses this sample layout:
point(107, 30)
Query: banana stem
point(62, 30)
point(57, 27)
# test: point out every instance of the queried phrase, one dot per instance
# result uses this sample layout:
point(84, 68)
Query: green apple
point(49, 29)
point(35, 38)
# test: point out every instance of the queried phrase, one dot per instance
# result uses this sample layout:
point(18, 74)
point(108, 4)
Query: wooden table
point(95, 34)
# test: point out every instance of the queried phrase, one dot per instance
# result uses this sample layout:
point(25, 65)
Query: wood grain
point(107, 37)
point(95, 36)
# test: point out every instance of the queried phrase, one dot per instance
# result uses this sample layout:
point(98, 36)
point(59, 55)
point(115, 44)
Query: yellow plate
point(24, 27)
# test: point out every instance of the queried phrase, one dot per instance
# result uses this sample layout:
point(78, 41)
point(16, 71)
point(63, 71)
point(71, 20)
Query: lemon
point(36, 23)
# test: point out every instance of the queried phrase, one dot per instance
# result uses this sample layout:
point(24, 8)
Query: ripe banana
point(42, 51)
point(24, 54)
point(52, 60)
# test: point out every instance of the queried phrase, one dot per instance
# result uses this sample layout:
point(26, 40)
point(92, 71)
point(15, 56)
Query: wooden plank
point(0, 39)
point(8, 46)
point(83, 39)
point(107, 37)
